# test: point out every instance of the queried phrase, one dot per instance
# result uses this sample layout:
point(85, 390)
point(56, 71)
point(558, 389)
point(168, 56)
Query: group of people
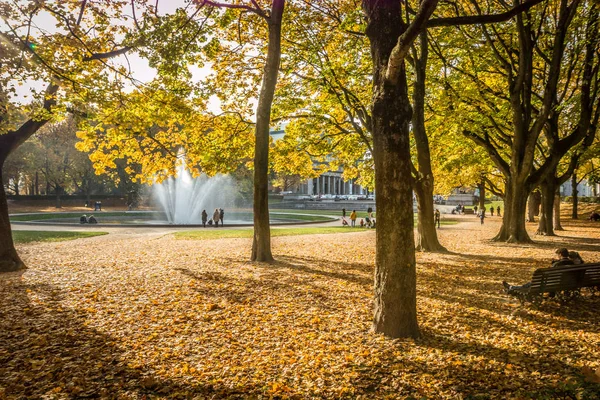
point(217, 216)
point(85, 220)
point(481, 212)
point(566, 257)
point(97, 205)
point(368, 221)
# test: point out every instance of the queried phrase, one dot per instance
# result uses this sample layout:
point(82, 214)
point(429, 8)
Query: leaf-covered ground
point(146, 316)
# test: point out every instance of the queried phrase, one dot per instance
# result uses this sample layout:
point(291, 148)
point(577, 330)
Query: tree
point(532, 92)
point(73, 54)
point(58, 156)
point(391, 37)
point(328, 57)
point(180, 127)
point(395, 277)
point(423, 179)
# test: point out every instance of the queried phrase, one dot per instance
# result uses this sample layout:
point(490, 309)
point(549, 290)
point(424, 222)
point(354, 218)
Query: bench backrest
point(567, 277)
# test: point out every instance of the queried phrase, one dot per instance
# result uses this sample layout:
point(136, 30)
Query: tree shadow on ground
point(334, 269)
point(573, 243)
point(250, 289)
point(50, 351)
point(486, 259)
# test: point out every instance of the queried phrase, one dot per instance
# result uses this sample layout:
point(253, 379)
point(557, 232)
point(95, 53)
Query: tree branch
point(405, 40)
point(482, 19)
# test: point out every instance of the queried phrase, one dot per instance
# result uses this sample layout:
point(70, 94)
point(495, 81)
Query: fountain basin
point(159, 219)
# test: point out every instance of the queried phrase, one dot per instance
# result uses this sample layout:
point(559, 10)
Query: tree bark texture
point(513, 228)
point(574, 195)
point(261, 243)
point(557, 224)
point(427, 239)
point(9, 259)
point(395, 308)
point(546, 222)
point(58, 200)
point(533, 205)
point(481, 187)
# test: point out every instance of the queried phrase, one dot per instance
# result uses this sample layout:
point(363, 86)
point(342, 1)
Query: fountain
point(183, 197)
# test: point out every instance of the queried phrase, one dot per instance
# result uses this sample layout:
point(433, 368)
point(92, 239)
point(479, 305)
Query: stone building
point(328, 183)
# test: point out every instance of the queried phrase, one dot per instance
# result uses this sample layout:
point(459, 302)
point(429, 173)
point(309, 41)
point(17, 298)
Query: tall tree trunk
point(58, 200)
point(88, 191)
point(395, 308)
point(37, 183)
point(481, 187)
point(557, 224)
point(427, 239)
point(546, 223)
point(9, 259)
point(574, 195)
point(261, 244)
point(513, 228)
point(534, 201)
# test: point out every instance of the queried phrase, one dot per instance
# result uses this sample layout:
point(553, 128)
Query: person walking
point(353, 218)
point(436, 217)
point(216, 215)
point(343, 213)
point(482, 215)
point(492, 211)
point(369, 218)
point(204, 218)
point(221, 215)
point(498, 211)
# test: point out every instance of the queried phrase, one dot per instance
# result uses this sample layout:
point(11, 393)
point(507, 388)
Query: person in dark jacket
point(576, 258)
point(221, 215)
point(83, 219)
point(204, 218)
point(92, 220)
point(562, 261)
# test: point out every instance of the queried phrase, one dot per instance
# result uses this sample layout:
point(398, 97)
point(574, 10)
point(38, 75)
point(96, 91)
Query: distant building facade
point(584, 189)
point(327, 183)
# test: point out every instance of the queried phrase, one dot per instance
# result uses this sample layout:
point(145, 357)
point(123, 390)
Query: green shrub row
point(582, 199)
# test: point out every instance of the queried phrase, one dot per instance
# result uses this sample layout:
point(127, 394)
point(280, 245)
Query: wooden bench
point(469, 211)
point(564, 283)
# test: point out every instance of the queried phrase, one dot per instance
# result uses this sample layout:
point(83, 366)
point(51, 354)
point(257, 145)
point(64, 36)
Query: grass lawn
point(41, 217)
point(218, 233)
point(51, 236)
